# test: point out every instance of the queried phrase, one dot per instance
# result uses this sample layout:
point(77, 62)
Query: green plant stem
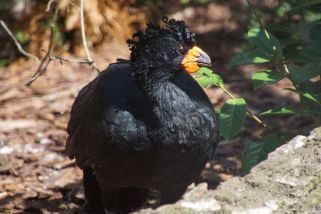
point(262, 25)
point(249, 113)
point(255, 14)
point(285, 67)
point(281, 61)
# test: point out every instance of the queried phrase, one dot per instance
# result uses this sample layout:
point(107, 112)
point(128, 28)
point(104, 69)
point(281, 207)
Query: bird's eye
point(182, 49)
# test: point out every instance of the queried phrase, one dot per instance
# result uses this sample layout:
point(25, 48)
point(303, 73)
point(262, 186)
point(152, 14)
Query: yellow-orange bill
point(194, 58)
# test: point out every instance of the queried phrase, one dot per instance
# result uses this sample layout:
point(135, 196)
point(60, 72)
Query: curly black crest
point(177, 28)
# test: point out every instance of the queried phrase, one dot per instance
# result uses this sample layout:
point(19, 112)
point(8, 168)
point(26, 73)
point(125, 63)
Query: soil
point(35, 174)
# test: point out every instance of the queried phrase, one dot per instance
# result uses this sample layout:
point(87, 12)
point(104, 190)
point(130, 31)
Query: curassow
point(144, 123)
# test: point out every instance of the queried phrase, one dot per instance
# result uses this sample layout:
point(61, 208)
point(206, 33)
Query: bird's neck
point(173, 109)
point(169, 99)
point(160, 89)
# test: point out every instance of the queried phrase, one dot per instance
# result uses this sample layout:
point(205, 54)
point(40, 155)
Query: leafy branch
point(250, 114)
point(232, 114)
point(303, 65)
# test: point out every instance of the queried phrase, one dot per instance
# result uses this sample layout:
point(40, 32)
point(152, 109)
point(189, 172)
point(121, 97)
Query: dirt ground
point(35, 174)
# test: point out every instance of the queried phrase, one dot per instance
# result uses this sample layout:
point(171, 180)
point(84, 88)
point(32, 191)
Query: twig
point(64, 164)
point(255, 14)
point(43, 67)
point(45, 61)
point(83, 36)
point(3, 24)
point(262, 25)
point(61, 59)
point(49, 5)
point(253, 116)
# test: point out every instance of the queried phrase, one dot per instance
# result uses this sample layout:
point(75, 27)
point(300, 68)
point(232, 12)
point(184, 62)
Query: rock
point(289, 181)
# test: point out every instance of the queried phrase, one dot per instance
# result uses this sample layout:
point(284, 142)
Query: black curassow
point(144, 123)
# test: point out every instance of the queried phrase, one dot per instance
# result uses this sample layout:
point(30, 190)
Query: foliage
point(287, 49)
point(3, 62)
point(232, 114)
point(256, 152)
point(232, 117)
point(193, 1)
point(205, 77)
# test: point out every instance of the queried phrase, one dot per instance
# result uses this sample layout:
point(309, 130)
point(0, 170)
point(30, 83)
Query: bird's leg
point(92, 192)
point(124, 199)
point(171, 195)
point(131, 198)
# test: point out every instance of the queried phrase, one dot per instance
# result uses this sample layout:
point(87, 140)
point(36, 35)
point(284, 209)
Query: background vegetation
point(286, 41)
point(283, 41)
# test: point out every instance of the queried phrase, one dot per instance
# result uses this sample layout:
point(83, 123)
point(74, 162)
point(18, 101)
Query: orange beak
point(194, 58)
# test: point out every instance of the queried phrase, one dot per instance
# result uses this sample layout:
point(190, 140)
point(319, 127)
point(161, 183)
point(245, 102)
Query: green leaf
point(248, 58)
point(202, 1)
point(20, 37)
point(205, 77)
point(254, 153)
point(253, 33)
point(308, 96)
point(3, 62)
point(268, 48)
point(184, 1)
point(315, 32)
point(303, 4)
point(266, 42)
point(302, 74)
point(280, 27)
point(313, 88)
point(250, 156)
point(283, 8)
point(58, 37)
point(232, 117)
point(267, 77)
point(312, 52)
point(285, 111)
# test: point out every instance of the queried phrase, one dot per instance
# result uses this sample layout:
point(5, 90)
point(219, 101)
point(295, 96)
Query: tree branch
point(75, 60)
point(83, 36)
point(43, 66)
point(49, 5)
point(5, 27)
point(48, 58)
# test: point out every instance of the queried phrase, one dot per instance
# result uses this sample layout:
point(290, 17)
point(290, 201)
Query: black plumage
point(143, 123)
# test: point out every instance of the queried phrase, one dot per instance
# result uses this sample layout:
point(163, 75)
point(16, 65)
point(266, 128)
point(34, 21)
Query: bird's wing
point(186, 83)
point(81, 126)
point(109, 113)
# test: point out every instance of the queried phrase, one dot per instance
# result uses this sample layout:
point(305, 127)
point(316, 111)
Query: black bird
point(144, 123)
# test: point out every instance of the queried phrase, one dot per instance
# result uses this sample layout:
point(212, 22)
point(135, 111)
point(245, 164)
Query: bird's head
point(161, 52)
